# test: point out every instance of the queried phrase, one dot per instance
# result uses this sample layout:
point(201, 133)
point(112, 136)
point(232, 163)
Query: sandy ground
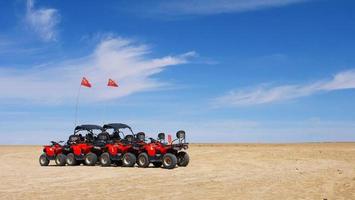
point(240, 171)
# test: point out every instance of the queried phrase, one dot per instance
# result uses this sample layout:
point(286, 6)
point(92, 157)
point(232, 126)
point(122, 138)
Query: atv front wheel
point(71, 161)
point(129, 159)
point(169, 161)
point(60, 159)
point(105, 159)
point(43, 160)
point(143, 160)
point(183, 159)
point(90, 159)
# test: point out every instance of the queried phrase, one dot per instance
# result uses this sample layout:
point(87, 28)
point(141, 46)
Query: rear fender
point(112, 149)
point(76, 150)
point(162, 148)
point(85, 148)
point(50, 151)
point(150, 149)
point(58, 149)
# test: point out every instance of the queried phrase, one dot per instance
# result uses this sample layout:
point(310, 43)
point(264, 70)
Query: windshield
point(94, 131)
point(122, 131)
point(126, 131)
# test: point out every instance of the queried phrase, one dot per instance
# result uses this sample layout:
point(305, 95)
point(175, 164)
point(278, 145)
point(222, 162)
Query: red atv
point(121, 150)
point(82, 148)
point(55, 151)
point(160, 153)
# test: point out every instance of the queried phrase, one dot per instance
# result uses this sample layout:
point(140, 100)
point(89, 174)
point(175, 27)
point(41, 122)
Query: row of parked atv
point(108, 145)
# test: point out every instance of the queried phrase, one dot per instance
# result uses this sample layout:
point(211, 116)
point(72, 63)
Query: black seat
point(161, 136)
point(116, 136)
point(141, 136)
point(102, 139)
point(128, 139)
point(74, 139)
point(89, 138)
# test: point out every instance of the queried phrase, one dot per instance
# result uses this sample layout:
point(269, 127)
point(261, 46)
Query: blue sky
point(224, 71)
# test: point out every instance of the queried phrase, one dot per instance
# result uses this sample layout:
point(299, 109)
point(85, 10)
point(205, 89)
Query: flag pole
point(111, 83)
point(104, 113)
point(76, 106)
point(86, 83)
point(104, 109)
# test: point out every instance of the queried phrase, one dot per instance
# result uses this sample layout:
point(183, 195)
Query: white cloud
point(207, 7)
point(116, 58)
point(42, 21)
point(265, 94)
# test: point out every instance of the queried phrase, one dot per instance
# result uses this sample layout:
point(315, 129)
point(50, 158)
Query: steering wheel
point(54, 143)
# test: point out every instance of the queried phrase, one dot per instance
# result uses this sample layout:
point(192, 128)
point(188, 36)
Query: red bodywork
point(52, 150)
point(81, 148)
point(122, 148)
point(157, 147)
point(114, 149)
point(153, 148)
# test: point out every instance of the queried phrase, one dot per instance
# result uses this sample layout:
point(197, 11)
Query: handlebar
point(54, 143)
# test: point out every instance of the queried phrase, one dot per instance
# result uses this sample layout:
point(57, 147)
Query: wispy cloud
point(116, 58)
point(264, 94)
point(42, 21)
point(208, 7)
point(9, 46)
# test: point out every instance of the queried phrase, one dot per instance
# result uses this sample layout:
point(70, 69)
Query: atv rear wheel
point(90, 159)
point(71, 161)
point(43, 160)
point(169, 161)
point(105, 159)
point(143, 160)
point(183, 159)
point(157, 164)
point(60, 159)
point(128, 160)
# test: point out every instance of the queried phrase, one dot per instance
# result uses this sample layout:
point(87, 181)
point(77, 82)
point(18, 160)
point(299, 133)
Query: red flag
point(169, 139)
point(111, 83)
point(85, 82)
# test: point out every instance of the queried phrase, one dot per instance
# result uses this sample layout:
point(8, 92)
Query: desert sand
point(220, 171)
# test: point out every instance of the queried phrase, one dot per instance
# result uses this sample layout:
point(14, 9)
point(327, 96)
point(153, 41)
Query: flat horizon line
point(228, 143)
